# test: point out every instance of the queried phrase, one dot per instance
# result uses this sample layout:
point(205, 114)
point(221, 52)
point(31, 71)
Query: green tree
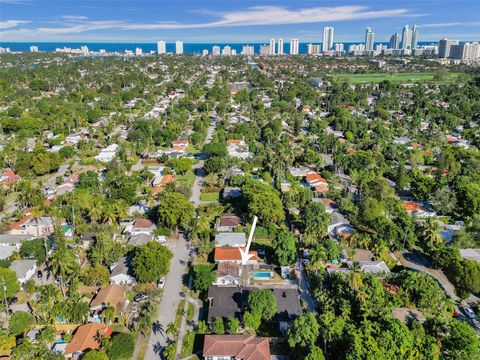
point(203, 277)
point(233, 325)
point(95, 355)
point(218, 326)
point(121, 346)
point(181, 166)
point(151, 261)
point(251, 320)
point(214, 165)
point(315, 354)
point(174, 210)
point(284, 246)
point(11, 282)
point(304, 331)
point(263, 303)
point(263, 201)
point(20, 322)
point(33, 249)
point(462, 342)
point(315, 221)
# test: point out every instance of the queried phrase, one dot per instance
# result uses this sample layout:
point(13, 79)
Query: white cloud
point(449, 24)
point(74, 17)
point(254, 16)
point(12, 23)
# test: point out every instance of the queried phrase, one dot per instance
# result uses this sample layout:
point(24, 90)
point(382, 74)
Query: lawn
point(209, 196)
point(187, 345)
point(399, 77)
point(186, 180)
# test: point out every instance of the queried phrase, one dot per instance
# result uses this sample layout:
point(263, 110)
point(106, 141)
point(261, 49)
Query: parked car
point(12, 300)
point(161, 283)
point(469, 312)
point(39, 274)
point(140, 297)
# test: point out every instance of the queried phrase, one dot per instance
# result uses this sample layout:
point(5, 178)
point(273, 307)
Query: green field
point(210, 196)
point(399, 77)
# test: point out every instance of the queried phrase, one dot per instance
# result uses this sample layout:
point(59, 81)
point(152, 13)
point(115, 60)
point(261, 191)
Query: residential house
point(228, 273)
point(228, 222)
point(34, 227)
point(337, 220)
point(107, 154)
point(416, 209)
point(120, 273)
point(9, 178)
point(370, 267)
point(233, 254)
point(238, 149)
point(470, 254)
point(14, 240)
point(230, 239)
point(86, 337)
point(111, 295)
point(232, 301)
point(24, 269)
point(141, 226)
point(317, 182)
point(299, 171)
point(235, 347)
point(140, 239)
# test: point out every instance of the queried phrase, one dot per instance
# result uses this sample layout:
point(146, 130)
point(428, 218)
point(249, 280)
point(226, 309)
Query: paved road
point(416, 261)
point(304, 287)
point(170, 299)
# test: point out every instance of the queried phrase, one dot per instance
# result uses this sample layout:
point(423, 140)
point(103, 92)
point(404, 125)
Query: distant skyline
point(232, 21)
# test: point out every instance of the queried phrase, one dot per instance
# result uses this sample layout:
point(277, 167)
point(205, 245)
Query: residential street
point(170, 299)
point(173, 285)
point(417, 262)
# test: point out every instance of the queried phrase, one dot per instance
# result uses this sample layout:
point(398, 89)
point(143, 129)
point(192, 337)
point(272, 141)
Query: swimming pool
point(262, 275)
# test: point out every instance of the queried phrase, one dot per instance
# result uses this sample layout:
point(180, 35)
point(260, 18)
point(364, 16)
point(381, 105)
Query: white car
point(469, 312)
point(161, 283)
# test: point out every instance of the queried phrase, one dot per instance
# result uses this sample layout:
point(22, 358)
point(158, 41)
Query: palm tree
point(430, 233)
point(108, 314)
point(63, 264)
point(172, 329)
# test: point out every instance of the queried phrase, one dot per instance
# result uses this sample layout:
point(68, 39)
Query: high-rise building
point(406, 38)
point(216, 50)
point(414, 40)
point(280, 47)
point(178, 47)
point(444, 47)
point(264, 49)
point(465, 51)
point(339, 47)
point(161, 47)
point(294, 46)
point(227, 50)
point(394, 42)
point(234, 52)
point(138, 51)
point(327, 42)
point(247, 50)
point(33, 48)
point(204, 52)
point(369, 39)
point(313, 49)
point(272, 46)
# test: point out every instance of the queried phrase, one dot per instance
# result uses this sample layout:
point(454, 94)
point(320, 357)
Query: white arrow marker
point(245, 254)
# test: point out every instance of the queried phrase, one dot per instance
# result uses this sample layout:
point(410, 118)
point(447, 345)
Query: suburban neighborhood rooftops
point(232, 254)
point(21, 267)
point(229, 301)
point(109, 295)
point(245, 347)
point(229, 220)
point(230, 239)
point(142, 223)
point(470, 254)
point(86, 337)
point(14, 239)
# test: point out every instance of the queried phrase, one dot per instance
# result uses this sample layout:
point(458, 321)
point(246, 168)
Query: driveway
point(415, 261)
point(170, 298)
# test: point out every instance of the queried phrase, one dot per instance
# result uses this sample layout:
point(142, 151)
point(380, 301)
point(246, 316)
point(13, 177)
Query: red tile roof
point(411, 206)
point(142, 223)
point(245, 347)
point(86, 338)
point(231, 254)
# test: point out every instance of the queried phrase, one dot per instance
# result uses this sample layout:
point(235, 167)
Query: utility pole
point(5, 297)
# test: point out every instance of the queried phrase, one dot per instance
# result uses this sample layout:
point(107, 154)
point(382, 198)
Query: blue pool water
point(262, 274)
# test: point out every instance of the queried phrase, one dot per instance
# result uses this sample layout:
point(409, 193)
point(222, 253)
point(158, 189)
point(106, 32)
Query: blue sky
point(232, 21)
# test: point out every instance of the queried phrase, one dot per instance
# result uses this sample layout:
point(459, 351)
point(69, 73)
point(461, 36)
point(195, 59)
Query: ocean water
point(189, 48)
